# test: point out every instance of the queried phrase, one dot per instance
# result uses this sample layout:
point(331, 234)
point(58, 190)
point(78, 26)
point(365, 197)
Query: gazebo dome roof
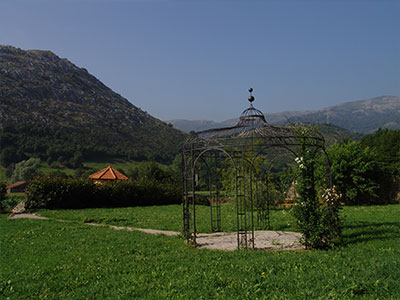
point(251, 114)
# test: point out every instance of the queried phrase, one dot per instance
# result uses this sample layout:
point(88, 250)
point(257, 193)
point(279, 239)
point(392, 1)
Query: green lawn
point(46, 259)
point(168, 217)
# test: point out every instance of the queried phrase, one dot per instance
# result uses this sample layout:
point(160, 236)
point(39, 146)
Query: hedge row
point(56, 193)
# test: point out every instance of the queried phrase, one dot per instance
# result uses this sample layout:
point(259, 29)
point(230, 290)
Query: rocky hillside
point(51, 104)
point(364, 116)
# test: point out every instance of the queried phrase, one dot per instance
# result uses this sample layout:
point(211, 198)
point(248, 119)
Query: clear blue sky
point(196, 59)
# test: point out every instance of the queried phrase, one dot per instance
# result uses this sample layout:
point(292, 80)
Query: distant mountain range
point(48, 106)
point(362, 116)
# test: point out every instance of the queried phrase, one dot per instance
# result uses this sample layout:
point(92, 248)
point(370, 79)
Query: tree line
point(71, 146)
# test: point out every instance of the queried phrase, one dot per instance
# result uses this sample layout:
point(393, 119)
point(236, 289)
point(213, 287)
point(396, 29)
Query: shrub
point(56, 192)
point(53, 192)
point(3, 192)
point(356, 173)
point(11, 201)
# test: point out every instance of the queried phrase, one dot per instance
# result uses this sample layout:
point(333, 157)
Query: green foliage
point(11, 201)
point(355, 172)
point(386, 144)
point(318, 222)
point(10, 154)
point(3, 192)
point(71, 146)
point(257, 169)
point(56, 192)
point(25, 170)
point(151, 171)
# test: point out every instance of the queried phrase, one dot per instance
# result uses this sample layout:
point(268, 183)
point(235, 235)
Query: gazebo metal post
point(215, 205)
point(194, 203)
point(268, 197)
point(211, 200)
point(185, 204)
point(251, 207)
point(258, 200)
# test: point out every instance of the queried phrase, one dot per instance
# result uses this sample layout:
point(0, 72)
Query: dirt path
point(263, 240)
point(150, 231)
point(27, 216)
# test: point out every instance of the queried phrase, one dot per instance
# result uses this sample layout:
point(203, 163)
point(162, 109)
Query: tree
point(355, 172)
point(10, 155)
point(152, 171)
point(386, 142)
point(25, 170)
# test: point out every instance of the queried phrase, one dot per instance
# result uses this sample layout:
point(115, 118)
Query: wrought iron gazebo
point(251, 139)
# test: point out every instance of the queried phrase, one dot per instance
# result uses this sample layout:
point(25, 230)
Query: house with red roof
point(18, 187)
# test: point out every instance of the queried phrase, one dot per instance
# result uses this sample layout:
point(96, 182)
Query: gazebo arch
point(250, 138)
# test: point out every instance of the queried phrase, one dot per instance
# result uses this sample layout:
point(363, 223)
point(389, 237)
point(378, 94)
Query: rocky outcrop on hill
point(39, 88)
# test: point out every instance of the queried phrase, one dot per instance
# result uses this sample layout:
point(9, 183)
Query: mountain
point(55, 110)
point(364, 116)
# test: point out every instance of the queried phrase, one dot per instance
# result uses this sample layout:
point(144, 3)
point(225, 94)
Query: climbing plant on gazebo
point(317, 217)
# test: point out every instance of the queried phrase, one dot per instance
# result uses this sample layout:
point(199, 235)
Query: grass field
point(168, 217)
point(46, 259)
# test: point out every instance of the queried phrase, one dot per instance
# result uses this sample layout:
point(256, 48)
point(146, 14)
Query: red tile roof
point(108, 173)
point(16, 184)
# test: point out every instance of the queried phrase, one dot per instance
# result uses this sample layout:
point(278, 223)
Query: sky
point(196, 60)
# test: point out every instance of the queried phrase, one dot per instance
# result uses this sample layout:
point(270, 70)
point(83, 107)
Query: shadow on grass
point(368, 231)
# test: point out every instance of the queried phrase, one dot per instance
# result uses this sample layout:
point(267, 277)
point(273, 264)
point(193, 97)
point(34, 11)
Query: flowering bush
point(300, 162)
point(318, 222)
point(332, 224)
point(331, 197)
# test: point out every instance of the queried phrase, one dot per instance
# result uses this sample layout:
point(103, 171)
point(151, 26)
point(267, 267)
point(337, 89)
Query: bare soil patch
point(27, 216)
point(263, 240)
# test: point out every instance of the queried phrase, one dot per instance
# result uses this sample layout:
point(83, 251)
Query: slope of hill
point(364, 116)
point(49, 106)
point(334, 133)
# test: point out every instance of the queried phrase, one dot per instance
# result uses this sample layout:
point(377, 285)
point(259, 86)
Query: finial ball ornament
point(250, 90)
point(251, 98)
